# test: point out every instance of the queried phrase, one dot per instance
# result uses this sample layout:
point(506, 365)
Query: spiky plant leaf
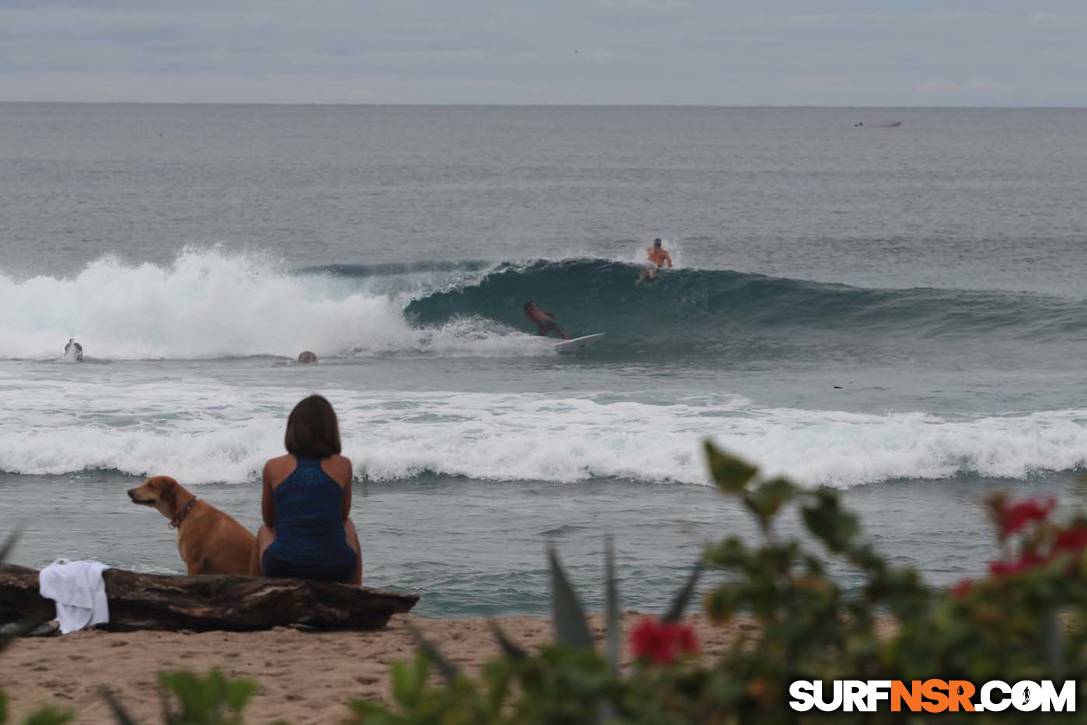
point(9, 543)
point(510, 648)
point(683, 596)
point(1052, 641)
point(612, 606)
point(567, 615)
point(449, 671)
point(238, 693)
point(120, 714)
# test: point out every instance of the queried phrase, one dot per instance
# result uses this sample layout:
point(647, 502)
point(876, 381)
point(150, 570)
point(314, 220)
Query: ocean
point(899, 313)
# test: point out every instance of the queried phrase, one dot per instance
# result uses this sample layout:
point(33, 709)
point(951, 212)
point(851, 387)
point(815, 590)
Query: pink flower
point(662, 642)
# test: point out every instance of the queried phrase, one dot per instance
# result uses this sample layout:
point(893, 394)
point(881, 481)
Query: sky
point(774, 52)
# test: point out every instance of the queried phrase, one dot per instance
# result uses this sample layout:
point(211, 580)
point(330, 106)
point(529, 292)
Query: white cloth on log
point(79, 591)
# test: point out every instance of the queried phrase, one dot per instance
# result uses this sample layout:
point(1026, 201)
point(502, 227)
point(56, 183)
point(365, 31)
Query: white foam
point(203, 430)
point(209, 303)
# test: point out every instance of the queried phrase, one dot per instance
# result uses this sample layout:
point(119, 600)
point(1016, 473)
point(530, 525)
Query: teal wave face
point(721, 312)
point(361, 271)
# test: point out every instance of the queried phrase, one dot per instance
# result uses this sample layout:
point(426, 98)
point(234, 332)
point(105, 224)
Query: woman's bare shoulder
point(279, 464)
point(339, 467)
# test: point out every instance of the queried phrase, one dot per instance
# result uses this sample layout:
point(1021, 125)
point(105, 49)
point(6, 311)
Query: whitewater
point(205, 433)
point(211, 311)
point(210, 304)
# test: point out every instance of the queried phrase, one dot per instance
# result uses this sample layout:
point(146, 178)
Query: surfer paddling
point(658, 257)
point(545, 321)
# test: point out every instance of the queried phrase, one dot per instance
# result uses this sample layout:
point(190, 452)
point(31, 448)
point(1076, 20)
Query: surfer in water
point(658, 257)
point(73, 350)
point(545, 321)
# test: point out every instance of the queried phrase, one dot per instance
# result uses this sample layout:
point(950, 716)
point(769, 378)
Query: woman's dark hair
point(312, 429)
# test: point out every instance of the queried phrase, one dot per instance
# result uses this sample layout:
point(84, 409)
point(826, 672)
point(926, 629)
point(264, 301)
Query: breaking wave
point(209, 304)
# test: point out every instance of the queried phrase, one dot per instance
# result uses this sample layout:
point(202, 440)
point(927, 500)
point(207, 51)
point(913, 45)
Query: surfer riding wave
point(545, 321)
point(658, 257)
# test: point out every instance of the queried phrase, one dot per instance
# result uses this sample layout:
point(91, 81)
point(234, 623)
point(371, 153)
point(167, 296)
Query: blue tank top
point(309, 518)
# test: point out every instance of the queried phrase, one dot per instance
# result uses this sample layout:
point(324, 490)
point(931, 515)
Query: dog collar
point(175, 522)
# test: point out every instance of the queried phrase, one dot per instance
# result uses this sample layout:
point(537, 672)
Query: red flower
point(662, 642)
point(1014, 517)
point(961, 589)
point(1029, 560)
point(1071, 540)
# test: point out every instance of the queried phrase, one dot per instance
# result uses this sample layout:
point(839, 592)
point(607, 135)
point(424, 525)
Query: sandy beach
point(305, 677)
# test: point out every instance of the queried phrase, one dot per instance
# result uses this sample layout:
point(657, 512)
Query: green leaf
point(731, 553)
point(48, 716)
point(612, 616)
point(683, 596)
point(729, 472)
point(373, 713)
point(1053, 644)
point(449, 671)
point(120, 714)
point(203, 699)
point(9, 543)
point(829, 522)
point(408, 680)
point(510, 648)
point(238, 693)
point(766, 500)
point(722, 603)
point(567, 615)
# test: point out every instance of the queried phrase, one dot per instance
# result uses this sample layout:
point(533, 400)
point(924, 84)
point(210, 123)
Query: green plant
point(1025, 620)
point(212, 699)
point(49, 716)
point(209, 700)
point(569, 681)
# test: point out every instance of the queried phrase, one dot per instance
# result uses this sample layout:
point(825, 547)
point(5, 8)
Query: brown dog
point(210, 541)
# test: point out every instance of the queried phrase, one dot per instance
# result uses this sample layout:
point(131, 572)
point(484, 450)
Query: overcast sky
point(790, 52)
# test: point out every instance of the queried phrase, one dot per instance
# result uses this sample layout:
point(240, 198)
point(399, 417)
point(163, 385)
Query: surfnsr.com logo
point(932, 696)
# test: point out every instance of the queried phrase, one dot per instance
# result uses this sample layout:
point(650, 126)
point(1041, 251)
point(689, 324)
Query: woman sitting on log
point(305, 503)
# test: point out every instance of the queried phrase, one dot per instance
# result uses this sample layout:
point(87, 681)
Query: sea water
point(899, 313)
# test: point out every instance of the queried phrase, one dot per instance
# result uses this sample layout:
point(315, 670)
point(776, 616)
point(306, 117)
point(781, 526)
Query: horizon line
point(536, 105)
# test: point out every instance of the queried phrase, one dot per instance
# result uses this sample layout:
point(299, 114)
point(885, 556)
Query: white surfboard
point(578, 343)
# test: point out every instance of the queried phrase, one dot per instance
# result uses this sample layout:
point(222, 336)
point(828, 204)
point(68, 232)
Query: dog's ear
point(167, 490)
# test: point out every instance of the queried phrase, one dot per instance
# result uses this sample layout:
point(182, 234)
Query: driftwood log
point(201, 603)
